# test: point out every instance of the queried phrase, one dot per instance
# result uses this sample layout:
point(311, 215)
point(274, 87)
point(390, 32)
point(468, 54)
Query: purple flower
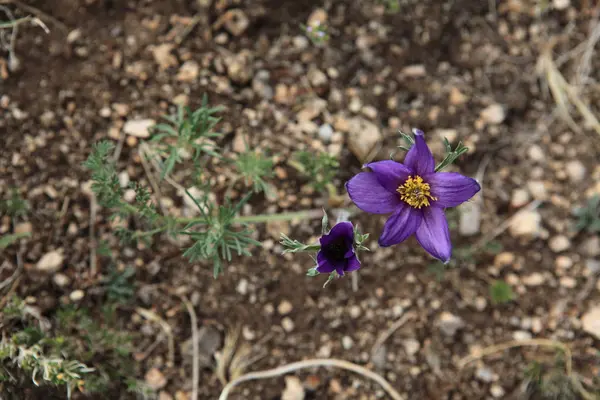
point(337, 250)
point(416, 196)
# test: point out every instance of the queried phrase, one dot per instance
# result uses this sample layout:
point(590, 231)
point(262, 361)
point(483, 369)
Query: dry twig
point(195, 347)
point(152, 316)
point(390, 331)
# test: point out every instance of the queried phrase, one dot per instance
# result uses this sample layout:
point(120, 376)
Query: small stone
point(23, 228)
point(538, 190)
point(369, 112)
point(77, 295)
point(485, 374)
point(575, 171)
point(124, 179)
point(563, 262)
point(469, 221)
point(287, 324)
point(316, 77)
point(504, 259)
point(497, 391)
point(568, 282)
point(317, 17)
point(188, 72)
point(535, 279)
point(493, 114)
point(242, 287)
point(480, 303)
point(61, 280)
point(363, 138)
point(285, 307)
point(325, 133)
point(51, 262)
point(105, 112)
point(162, 55)
point(449, 323)
point(561, 4)
point(536, 153)
point(355, 311)
point(411, 346)
point(139, 127)
point(526, 223)
point(519, 198)
point(162, 395)
point(155, 379)
point(521, 335)
point(414, 71)
point(456, 97)
point(234, 20)
point(449, 134)
point(294, 390)
point(591, 246)
point(591, 321)
point(347, 342)
point(559, 243)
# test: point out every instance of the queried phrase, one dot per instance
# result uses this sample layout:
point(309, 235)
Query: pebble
point(493, 114)
point(526, 223)
point(235, 21)
point(538, 190)
point(535, 279)
point(325, 133)
point(591, 246)
point(285, 307)
point(449, 323)
point(287, 324)
point(469, 222)
point(480, 303)
point(61, 280)
point(563, 262)
point(519, 198)
point(355, 311)
point(568, 282)
point(50, 262)
point(363, 138)
point(561, 4)
point(139, 127)
point(497, 391)
point(521, 335)
point(77, 295)
point(316, 77)
point(559, 243)
point(575, 171)
point(590, 321)
point(485, 374)
point(411, 346)
point(536, 153)
point(242, 287)
point(188, 72)
point(504, 259)
point(294, 390)
point(155, 379)
point(457, 97)
point(347, 342)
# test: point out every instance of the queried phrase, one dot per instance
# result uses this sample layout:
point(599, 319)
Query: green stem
point(140, 234)
point(279, 217)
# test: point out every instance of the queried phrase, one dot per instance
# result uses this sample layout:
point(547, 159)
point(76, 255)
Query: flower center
point(415, 192)
point(337, 250)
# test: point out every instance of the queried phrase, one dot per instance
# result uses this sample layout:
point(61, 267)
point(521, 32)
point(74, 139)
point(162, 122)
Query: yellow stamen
point(415, 192)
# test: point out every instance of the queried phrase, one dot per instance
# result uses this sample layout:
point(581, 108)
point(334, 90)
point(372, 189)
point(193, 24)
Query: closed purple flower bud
point(337, 250)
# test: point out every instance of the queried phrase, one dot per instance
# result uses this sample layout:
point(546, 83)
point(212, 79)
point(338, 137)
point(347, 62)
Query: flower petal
point(451, 188)
point(419, 157)
point(353, 264)
point(367, 193)
point(343, 230)
point(433, 234)
point(390, 174)
point(403, 223)
point(324, 266)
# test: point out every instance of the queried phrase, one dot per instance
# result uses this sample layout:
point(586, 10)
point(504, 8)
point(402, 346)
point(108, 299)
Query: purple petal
point(433, 234)
point(353, 264)
point(324, 266)
point(403, 223)
point(419, 157)
point(451, 188)
point(340, 230)
point(367, 193)
point(390, 174)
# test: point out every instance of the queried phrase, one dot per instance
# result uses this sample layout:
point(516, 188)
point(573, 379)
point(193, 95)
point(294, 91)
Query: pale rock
point(77, 295)
point(51, 262)
point(155, 379)
point(480, 303)
point(325, 133)
point(519, 198)
point(469, 220)
point(287, 324)
point(414, 71)
point(521, 335)
point(411, 346)
point(563, 262)
point(457, 97)
point(559, 243)
point(311, 110)
point(316, 77)
point(561, 4)
point(493, 114)
point(139, 127)
point(450, 134)
point(538, 190)
point(123, 179)
point(568, 282)
point(242, 287)
point(239, 67)
point(575, 170)
point(449, 323)
point(317, 17)
point(590, 321)
point(162, 395)
point(189, 71)
point(591, 246)
point(497, 391)
point(369, 112)
point(162, 55)
point(485, 374)
point(347, 342)
point(504, 259)
point(363, 138)
point(234, 20)
point(536, 153)
point(294, 390)
point(526, 223)
point(285, 307)
point(61, 280)
point(355, 311)
point(534, 279)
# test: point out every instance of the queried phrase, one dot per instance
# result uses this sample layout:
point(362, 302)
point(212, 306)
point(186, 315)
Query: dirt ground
point(458, 69)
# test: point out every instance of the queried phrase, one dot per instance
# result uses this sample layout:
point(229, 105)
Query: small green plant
point(391, 6)
point(255, 169)
point(187, 132)
point(501, 292)
point(14, 206)
point(588, 217)
point(316, 32)
point(118, 284)
point(320, 169)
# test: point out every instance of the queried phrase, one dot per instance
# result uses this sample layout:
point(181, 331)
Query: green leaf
point(312, 272)
point(324, 223)
point(501, 292)
point(7, 240)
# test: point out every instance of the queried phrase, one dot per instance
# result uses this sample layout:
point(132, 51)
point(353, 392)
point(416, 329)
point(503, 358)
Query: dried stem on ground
point(317, 362)
point(152, 316)
point(390, 331)
point(195, 347)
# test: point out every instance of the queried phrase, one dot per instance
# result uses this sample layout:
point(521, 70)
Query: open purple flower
point(416, 196)
point(337, 250)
